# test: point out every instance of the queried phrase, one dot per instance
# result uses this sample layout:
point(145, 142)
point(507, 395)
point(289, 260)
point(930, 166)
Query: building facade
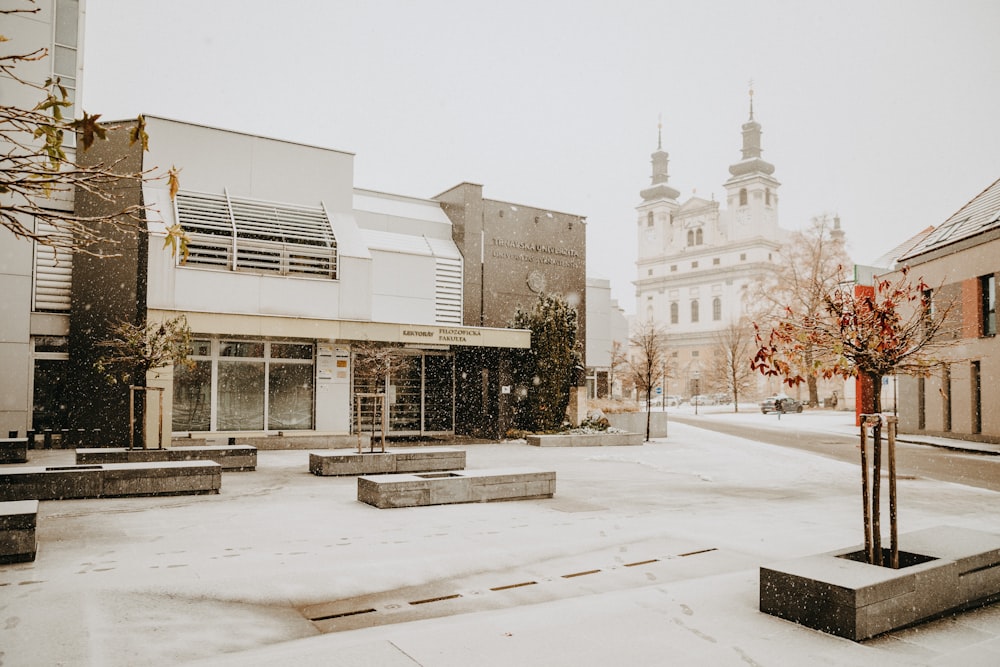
point(607, 341)
point(697, 257)
point(960, 261)
point(289, 273)
point(34, 279)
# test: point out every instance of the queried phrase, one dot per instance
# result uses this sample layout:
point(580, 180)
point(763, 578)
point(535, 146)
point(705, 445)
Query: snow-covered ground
point(670, 535)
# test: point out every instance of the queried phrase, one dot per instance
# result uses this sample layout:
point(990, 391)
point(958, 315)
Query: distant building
point(960, 261)
point(607, 327)
point(696, 258)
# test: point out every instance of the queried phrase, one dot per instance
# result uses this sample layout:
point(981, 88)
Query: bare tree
point(38, 168)
point(811, 265)
point(897, 327)
point(731, 365)
point(648, 363)
point(617, 361)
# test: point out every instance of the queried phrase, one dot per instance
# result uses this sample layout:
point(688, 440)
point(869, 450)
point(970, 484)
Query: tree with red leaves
point(897, 327)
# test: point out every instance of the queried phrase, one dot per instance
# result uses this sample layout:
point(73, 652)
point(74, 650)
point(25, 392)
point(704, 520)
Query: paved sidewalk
point(647, 555)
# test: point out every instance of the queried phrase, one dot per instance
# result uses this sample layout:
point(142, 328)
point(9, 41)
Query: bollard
point(48, 438)
point(31, 439)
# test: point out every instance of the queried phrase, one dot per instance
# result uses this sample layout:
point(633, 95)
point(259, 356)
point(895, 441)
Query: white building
point(34, 280)
point(607, 327)
point(696, 257)
point(290, 268)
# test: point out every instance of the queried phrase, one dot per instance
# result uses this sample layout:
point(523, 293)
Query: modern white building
point(34, 279)
point(290, 269)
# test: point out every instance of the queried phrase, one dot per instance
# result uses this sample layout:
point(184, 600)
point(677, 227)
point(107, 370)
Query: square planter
point(942, 569)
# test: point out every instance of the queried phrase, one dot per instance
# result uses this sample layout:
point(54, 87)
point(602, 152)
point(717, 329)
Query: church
point(697, 257)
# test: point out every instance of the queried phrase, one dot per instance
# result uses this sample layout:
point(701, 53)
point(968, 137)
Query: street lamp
point(697, 393)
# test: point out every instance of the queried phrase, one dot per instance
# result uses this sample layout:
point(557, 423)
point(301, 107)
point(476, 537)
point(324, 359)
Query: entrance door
point(421, 394)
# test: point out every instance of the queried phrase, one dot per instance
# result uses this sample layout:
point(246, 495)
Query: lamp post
point(697, 393)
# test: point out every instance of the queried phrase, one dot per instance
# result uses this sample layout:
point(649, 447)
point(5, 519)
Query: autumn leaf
point(89, 129)
point(138, 133)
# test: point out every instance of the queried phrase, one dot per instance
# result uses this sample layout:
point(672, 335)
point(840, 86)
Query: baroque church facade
point(696, 259)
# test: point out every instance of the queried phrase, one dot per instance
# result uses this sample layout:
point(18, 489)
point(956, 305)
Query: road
point(913, 460)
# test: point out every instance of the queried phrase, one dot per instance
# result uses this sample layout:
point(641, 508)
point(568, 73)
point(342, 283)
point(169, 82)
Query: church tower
point(752, 190)
point(659, 201)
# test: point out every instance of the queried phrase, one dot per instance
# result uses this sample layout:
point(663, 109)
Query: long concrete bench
point(17, 531)
point(232, 458)
point(13, 450)
point(110, 480)
point(459, 486)
point(585, 440)
point(418, 459)
point(943, 569)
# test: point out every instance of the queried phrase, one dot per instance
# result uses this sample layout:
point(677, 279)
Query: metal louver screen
point(448, 291)
point(53, 275)
point(257, 236)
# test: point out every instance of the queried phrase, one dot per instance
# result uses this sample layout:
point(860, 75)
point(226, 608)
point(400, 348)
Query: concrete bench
point(17, 531)
point(459, 486)
point(945, 568)
point(585, 440)
point(13, 450)
point(110, 480)
point(232, 458)
point(418, 459)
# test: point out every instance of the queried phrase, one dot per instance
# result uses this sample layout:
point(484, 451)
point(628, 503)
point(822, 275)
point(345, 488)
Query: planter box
point(17, 531)
point(952, 568)
point(460, 486)
point(635, 422)
point(419, 459)
point(585, 440)
point(13, 450)
point(111, 480)
point(232, 458)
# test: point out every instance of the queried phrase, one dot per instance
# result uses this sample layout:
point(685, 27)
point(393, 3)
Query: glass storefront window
point(230, 348)
point(241, 396)
point(290, 396)
point(193, 396)
point(232, 385)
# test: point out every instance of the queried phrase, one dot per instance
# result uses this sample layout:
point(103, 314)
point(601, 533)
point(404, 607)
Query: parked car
point(702, 399)
point(780, 403)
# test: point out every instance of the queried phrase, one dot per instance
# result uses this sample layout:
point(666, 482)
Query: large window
point(988, 294)
point(694, 311)
point(233, 385)
point(716, 309)
point(673, 312)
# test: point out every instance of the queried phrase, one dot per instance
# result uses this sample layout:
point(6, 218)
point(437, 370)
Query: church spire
point(751, 162)
point(661, 174)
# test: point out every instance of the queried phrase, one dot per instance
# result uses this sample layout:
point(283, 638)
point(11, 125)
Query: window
point(715, 261)
point(64, 54)
point(743, 196)
point(988, 295)
point(674, 315)
point(690, 237)
point(716, 309)
point(257, 236)
point(673, 267)
point(743, 257)
point(694, 353)
point(699, 236)
point(767, 196)
point(694, 311)
point(694, 265)
point(649, 272)
point(977, 397)
point(946, 397)
point(649, 219)
point(245, 386)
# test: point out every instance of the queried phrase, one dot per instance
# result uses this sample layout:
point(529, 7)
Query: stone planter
point(942, 569)
point(585, 439)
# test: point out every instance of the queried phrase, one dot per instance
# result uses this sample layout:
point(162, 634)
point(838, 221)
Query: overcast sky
point(884, 112)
